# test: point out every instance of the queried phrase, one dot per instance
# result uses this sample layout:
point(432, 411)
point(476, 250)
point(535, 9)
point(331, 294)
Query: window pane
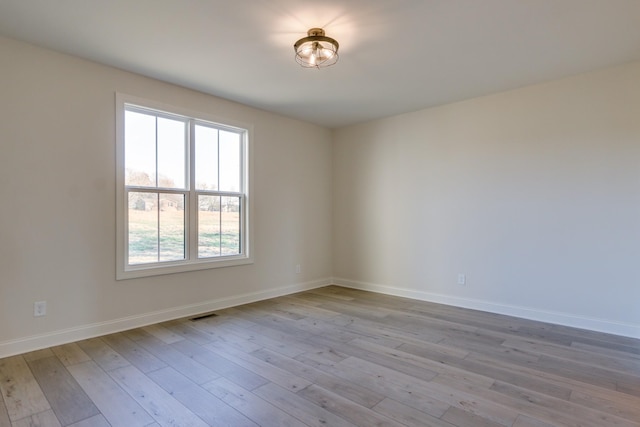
point(172, 227)
point(208, 226)
point(206, 158)
point(172, 153)
point(230, 144)
point(143, 228)
point(140, 149)
point(230, 221)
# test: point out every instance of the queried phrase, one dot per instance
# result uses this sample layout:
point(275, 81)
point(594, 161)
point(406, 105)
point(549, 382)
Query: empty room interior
point(302, 213)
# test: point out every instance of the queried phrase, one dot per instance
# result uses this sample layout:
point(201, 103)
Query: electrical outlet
point(39, 308)
point(298, 269)
point(462, 279)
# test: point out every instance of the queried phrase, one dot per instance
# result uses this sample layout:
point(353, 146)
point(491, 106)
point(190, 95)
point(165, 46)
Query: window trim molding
point(124, 271)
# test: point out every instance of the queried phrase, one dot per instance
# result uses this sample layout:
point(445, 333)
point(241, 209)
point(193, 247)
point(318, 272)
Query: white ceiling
point(395, 55)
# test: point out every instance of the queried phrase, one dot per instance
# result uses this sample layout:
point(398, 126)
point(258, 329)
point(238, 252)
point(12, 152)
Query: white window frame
point(191, 263)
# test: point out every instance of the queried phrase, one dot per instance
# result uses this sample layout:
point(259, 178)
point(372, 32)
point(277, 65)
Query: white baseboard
point(565, 319)
point(50, 339)
point(59, 337)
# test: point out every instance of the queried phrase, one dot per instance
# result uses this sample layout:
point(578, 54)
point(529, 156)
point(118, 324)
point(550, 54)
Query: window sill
point(172, 268)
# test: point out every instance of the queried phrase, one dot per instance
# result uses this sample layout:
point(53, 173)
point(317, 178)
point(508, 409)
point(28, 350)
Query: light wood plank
point(163, 334)
point(622, 408)
point(21, 392)
point(332, 292)
point(345, 408)
point(251, 406)
point(525, 421)
point(575, 355)
point(38, 354)
point(4, 415)
point(166, 410)
point(527, 402)
point(461, 418)
point(103, 355)
point(432, 367)
point(338, 385)
point(387, 358)
point(276, 375)
point(136, 334)
point(184, 364)
point(294, 340)
point(133, 352)
point(209, 408)
point(220, 365)
point(118, 407)
point(70, 354)
point(249, 340)
point(407, 415)
point(566, 409)
point(185, 329)
point(534, 371)
point(378, 379)
point(97, 421)
point(42, 419)
point(625, 355)
point(495, 371)
point(228, 335)
point(441, 392)
point(67, 399)
point(313, 415)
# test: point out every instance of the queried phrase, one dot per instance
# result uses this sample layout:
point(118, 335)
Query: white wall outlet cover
point(39, 308)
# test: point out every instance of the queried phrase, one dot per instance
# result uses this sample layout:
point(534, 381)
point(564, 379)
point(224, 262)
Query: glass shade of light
point(316, 50)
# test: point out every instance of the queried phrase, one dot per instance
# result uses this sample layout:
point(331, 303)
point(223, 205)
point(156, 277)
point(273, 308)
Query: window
point(182, 191)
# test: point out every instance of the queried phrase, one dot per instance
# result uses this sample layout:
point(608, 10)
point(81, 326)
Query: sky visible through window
point(161, 161)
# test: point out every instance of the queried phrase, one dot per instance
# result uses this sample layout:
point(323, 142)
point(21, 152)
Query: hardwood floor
point(330, 357)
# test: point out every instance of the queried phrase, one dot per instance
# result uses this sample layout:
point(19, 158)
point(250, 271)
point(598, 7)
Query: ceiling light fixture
point(316, 50)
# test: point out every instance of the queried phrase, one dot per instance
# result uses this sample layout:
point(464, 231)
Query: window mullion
point(193, 196)
point(158, 220)
point(219, 198)
point(157, 183)
point(157, 194)
point(220, 213)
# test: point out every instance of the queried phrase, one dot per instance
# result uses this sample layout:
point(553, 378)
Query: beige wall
point(534, 194)
point(57, 209)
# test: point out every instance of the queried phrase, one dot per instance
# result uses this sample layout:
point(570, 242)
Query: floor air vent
point(204, 316)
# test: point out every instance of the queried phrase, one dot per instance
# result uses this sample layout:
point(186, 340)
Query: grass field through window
point(150, 242)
